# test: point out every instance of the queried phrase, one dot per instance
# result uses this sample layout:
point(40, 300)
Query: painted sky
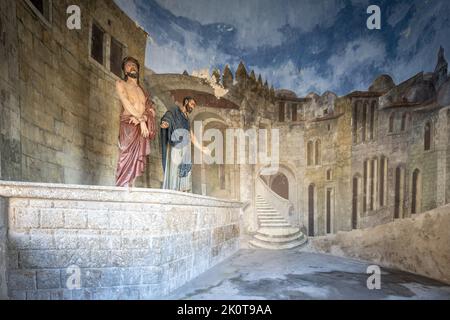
point(301, 45)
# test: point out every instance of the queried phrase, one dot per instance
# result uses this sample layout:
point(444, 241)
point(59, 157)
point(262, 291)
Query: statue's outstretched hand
point(206, 151)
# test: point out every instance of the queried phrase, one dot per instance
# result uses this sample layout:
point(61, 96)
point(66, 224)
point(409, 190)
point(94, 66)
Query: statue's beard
point(133, 74)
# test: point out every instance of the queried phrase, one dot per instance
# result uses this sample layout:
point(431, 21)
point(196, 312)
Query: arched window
point(311, 192)
point(398, 197)
point(355, 202)
point(415, 192)
point(355, 123)
point(427, 136)
point(294, 112)
point(309, 153)
point(281, 112)
point(329, 175)
point(365, 184)
point(329, 208)
point(318, 153)
point(364, 122)
point(404, 121)
point(391, 122)
point(383, 180)
point(372, 120)
point(373, 182)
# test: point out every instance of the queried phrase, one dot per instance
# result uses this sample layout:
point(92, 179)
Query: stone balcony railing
point(89, 242)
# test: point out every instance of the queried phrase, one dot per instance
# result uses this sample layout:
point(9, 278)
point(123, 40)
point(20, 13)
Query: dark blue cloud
point(299, 45)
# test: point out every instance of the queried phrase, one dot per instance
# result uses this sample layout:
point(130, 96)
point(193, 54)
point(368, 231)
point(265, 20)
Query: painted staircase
point(274, 231)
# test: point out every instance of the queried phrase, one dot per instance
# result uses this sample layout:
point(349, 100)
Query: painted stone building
point(344, 162)
point(348, 162)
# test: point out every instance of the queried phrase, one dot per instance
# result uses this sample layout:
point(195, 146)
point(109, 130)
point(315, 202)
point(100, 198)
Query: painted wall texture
point(418, 245)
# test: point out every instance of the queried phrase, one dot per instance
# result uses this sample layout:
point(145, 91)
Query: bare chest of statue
point(136, 96)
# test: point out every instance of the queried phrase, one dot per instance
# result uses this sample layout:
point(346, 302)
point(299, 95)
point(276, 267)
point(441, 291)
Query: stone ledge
point(11, 189)
point(154, 240)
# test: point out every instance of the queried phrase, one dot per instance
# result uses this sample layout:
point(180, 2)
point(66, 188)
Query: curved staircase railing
point(283, 206)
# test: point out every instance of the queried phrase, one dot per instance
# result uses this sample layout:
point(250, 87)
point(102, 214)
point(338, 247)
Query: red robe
point(133, 147)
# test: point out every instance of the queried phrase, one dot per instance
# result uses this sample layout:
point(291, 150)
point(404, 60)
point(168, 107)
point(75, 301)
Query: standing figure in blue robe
point(176, 139)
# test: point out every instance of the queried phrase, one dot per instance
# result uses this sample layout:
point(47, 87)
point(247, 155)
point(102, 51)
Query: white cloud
point(357, 54)
point(171, 56)
point(417, 48)
point(343, 66)
point(258, 21)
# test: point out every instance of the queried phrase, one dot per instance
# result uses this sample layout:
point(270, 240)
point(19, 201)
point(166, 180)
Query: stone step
point(273, 217)
point(268, 213)
point(271, 221)
point(296, 236)
point(266, 210)
point(278, 232)
point(277, 246)
point(275, 225)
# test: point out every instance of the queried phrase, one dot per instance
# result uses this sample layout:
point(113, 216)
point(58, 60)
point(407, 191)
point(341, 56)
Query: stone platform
point(124, 244)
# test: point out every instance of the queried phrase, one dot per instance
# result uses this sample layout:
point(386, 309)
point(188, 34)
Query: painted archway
point(216, 179)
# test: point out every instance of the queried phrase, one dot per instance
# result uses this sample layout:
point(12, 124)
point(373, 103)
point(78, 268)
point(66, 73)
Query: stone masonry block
point(22, 280)
point(48, 279)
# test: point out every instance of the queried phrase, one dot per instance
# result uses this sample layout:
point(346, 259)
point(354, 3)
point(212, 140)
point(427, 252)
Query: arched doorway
point(280, 185)
point(218, 179)
point(329, 208)
point(416, 192)
point(355, 201)
point(398, 200)
point(427, 136)
point(311, 209)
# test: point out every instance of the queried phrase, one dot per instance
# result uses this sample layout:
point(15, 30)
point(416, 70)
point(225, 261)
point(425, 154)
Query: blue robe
point(176, 144)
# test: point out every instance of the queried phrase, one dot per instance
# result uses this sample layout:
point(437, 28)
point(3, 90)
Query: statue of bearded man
point(137, 125)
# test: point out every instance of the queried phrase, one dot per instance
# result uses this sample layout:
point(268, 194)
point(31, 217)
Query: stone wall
point(3, 254)
point(64, 127)
point(10, 154)
point(140, 244)
point(419, 244)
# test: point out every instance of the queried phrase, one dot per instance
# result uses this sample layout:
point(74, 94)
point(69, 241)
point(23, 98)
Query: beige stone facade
point(348, 162)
